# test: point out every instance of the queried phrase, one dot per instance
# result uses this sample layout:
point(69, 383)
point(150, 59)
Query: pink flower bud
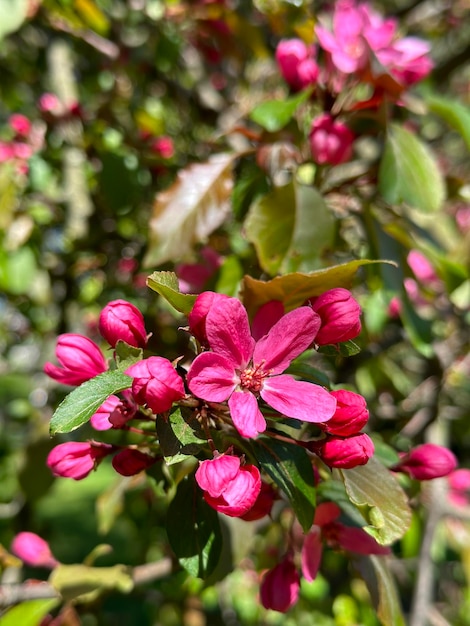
point(197, 318)
point(6, 152)
point(421, 267)
point(229, 488)
point(351, 414)
point(330, 141)
point(290, 53)
point(346, 452)
point(156, 383)
point(76, 459)
point(427, 461)
point(263, 503)
point(340, 316)
point(307, 73)
point(163, 146)
point(33, 550)
point(20, 124)
point(280, 587)
point(129, 462)
point(459, 487)
point(122, 320)
point(49, 103)
point(80, 359)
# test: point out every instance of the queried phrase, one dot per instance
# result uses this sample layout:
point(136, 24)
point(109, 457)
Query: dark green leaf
point(291, 469)
point(82, 402)
point(179, 437)
point(166, 284)
point(275, 114)
point(193, 530)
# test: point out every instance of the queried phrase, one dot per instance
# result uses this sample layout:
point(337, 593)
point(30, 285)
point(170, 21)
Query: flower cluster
point(24, 140)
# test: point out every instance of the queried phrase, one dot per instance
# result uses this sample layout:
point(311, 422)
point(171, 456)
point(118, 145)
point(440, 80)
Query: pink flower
point(280, 586)
point(330, 141)
point(121, 320)
point(422, 268)
point(129, 462)
point(156, 383)
point(346, 452)
point(340, 316)
point(263, 503)
point(163, 146)
point(427, 461)
point(80, 359)
point(459, 487)
point(204, 303)
point(50, 103)
point(33, 550)
point(239, 369)
point(20, 124)
point(6, 152)
point(407, 60)
point(228, 487)
point(100, 420)
point(351, 414)
point(296, 62)
point(326, 529)
point(76, 459)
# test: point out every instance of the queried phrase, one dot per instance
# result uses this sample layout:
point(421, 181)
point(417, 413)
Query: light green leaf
point(275, 114)
point(409, 172)
point(127, 355)
point(454, 113)
point(29, 613)
point(380, 499)
point(179, 437)
point(82, 402)
point(81, 583)
point(166, 284)
point(13, 13)
point(291, 469)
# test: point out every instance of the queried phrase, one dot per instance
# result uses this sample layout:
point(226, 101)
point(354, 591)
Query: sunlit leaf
point(382, 502)
point(179, 437)
point(92, 15)
point(82, 402)
point(29, 613)
point(291, 469)
point(190, 210)
point(81, 583)
point(166, 284)
point(293, 289)
point(13, 13)
point(275, 114)
point(454, 113)
point(409, 172)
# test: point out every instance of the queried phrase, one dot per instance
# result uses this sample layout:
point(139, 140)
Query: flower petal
point(246, 416)
point(215, 474)
point(212, 377)
point(288, 338)
point(228, 332)
point(299, 399)
point(265, 318)
point(311, 554)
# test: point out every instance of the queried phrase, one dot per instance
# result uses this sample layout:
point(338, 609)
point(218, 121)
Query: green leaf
point(18, 270)
point(293, 289)
point(454, 113)
point(382, 588)
point(13, 14)
point(81, 583)
point(193, 530)
point(82, 403)
point(275, 114)
point(29, 613)
point(380, 499)
point(179, 437)
point(127, 355)
point(346, 348)
point(290, 227)
point(291, 469)
point(409, 172)
point(166, 284)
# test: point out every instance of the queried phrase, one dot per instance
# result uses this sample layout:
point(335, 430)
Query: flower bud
point(20, 124)
point(280, 587)
point(427, 461)
point(330, 141)
point(156, 383)
point(197, 318)
point(290, 53)
point(346, 452)
point(340, 316)
point(122, 320)
point(163, 146)
point(263, 503)
point(33, 550)
point(351, 414)
point(80, 359)
point(129, 462)
point(459, 487)
point(229, 488)
point(76, 459)
point(311, 554)
point(422, 268)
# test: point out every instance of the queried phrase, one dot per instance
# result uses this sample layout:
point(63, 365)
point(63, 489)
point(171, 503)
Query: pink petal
point(299, 399)
point(214, 475)
point(311, 554)
point(228, 332)
point(212, 377)
point(325, 513)
point(265, 318)
point(246, 416)
point(288, 338)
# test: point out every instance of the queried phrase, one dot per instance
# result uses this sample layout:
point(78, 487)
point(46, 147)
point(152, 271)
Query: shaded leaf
point(380, 499)
point(178, 437)
point(81, 583)
point(291, 469)
point(110, 504)
point(409, 172)
point(193, 530)
point(293, 289)
point(346, 348)
point(82, 402)
point(290, 227)
point(275, 114)
point(166, 284)
point(454, 113)
point(29, 613)
point(192, 208)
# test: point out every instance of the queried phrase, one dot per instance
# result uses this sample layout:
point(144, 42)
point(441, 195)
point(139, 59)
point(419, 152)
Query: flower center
point(252, 378)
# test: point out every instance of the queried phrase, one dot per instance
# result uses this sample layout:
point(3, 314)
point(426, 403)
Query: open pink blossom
point(76, 459)
point(80, 359)
point(240, 369)
point(33, 550)
point(228, 487)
